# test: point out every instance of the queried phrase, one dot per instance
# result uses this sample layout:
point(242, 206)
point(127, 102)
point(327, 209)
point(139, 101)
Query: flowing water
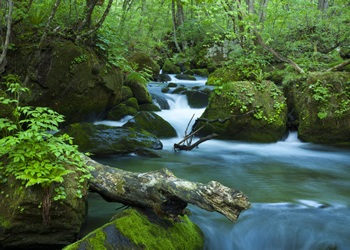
point(300, 192)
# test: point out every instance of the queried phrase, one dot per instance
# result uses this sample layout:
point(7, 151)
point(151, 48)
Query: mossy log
point(165, 193)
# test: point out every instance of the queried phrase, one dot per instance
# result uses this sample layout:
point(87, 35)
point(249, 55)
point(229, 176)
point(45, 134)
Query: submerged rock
point(185, 77)
point(152, 123)
point(137, 228)
point(267, 124)
point(21, 218)
point(321, 103)
point(108, 140)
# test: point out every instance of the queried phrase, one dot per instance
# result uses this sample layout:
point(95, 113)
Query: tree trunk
point(263, 8)
point(343, 64)
point(166, 194)
point(3, 60)
point(90, 5)
point(322, 5)
point(174, 25)
point(261, 42)
point(251, 6)
point(181, 21)
point(43, 37)
point(99, 24)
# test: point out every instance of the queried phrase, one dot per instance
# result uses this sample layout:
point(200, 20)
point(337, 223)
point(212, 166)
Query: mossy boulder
point(149, 107)
point(170, 68)
point(267, 124)
point(21, 219)
point(180, 90)
point(185, 77)
point(164, 78)
point(224, 75)
point(131, 102)
point(108, 140)
point(117, 112)
point(144, 61)
point(172, 85)
point(165, 89)
point(188, 72)
point(197, 99)
point(152, 123)
point(201, 72)
point(161, 101)
point(126, 93)
point(63, 80)
point(138, 86)
point(322, 105)
point(137, 228)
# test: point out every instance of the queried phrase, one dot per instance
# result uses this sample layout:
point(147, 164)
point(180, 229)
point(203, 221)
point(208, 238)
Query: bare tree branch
point(343, 64)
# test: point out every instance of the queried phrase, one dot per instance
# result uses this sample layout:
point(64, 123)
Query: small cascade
point(292, 137)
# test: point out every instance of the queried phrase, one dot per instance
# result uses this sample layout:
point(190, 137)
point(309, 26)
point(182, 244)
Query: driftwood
point(164, 192)
point(341, 65)
point(188, 138)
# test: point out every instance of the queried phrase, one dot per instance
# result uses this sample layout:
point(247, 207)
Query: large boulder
point(171, 68)
point(69, 80)
point(321, 103)
point(224, 75)
point(152, 123)
point(108, 140)
point(137, 228)
point(267, 124)
point(126, 93)
point(21, 218)
point(144, 61)
point(138, 87)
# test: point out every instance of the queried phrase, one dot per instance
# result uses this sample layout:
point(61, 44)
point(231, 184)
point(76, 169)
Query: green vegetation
point(28, 149)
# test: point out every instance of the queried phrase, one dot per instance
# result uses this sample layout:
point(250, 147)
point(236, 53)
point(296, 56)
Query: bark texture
point(165, 193)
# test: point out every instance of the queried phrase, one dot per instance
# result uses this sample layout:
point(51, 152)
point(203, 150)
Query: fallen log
point(165, 193)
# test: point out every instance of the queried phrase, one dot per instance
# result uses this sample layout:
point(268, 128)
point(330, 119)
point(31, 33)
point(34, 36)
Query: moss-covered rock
point(117, 112)
point(185, 77)
point(172, 85)
point(126, 93)
point(180, 90)
point(201, 72)
point(224, 75)
point(321, 102)
point(188, 72)
point(152, 123)
point(131, 110)
point(131, 102)
point(21, 219)
point(137, 228)
point(63, 80)
point(144, 61)
point(268, 124)
point(170, 68)
point(138, 87)
point(108, 140)
point(165, 89)
point(164, 78)
point(197, 99)
point(149, 107)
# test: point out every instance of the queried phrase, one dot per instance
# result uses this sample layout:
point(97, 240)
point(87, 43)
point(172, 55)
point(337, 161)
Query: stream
point(300, 192)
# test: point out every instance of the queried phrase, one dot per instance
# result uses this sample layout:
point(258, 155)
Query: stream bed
point(300, 192)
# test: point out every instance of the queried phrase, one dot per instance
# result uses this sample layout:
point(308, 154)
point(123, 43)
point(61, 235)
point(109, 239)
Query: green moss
point(145, 61)
point(267, 124)
point(183, 235)
point(119, 186)
point(201, 72)
point(170, 68)
point(131, 102)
